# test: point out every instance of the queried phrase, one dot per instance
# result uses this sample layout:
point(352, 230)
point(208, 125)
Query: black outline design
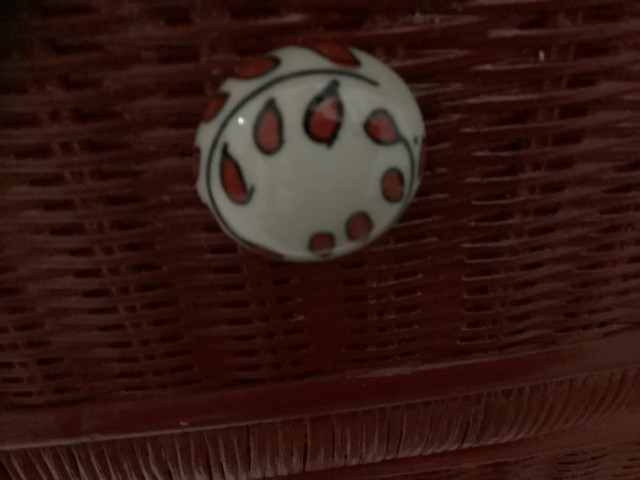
point(248, 190)
point(290, 76)
point(346, 226)
point(276, 64)
point(326, 252)
point(330, 90)
point(404, 186)
point(269, 106)
point(382, 111)
point(413, 167)
point(314, 49)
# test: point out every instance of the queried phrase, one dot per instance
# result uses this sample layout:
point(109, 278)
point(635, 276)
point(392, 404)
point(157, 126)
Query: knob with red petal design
point(309, 152)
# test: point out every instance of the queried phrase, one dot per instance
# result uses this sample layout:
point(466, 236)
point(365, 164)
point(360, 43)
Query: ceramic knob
point(309, 153)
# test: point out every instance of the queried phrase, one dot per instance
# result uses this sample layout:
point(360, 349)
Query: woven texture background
point(117, 285)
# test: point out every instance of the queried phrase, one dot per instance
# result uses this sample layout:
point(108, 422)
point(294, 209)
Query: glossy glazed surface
point(308, 154)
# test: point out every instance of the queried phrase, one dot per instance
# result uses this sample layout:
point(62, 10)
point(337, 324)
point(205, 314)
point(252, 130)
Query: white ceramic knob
point(309, 153)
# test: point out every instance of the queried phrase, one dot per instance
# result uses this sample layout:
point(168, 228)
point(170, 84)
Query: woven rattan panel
point(116, 284)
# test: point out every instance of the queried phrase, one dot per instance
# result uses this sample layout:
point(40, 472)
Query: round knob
point(309, 153)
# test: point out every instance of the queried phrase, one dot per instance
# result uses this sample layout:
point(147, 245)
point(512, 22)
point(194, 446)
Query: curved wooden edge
point(614, 430)
point(92, 422)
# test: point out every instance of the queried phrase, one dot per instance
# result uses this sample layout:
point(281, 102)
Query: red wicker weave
point(493, 333)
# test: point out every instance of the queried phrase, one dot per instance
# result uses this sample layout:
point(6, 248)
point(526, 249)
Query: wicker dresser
point(493, 333)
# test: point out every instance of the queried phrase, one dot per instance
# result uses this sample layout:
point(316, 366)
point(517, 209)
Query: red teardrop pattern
point(381, 128)
point(393, 185)
point(232, 179)
point(214, 106)
point(324, 115)
point(255, 67)
point(321, 242)
point(323, 120)
point(267, 131)
point(358, 226)
point(336, 53)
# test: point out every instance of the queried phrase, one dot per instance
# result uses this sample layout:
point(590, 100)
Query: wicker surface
point(119, 292)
